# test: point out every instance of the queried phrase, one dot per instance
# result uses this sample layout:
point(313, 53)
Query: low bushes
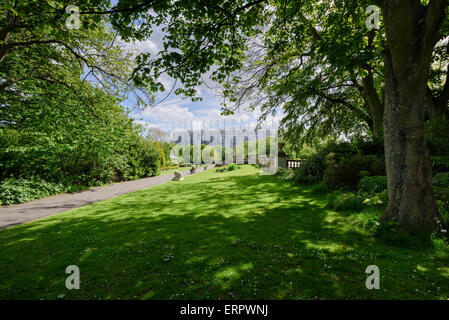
point(372, 185)
point(443, 208)
point(340, 165)
point(171, 167)
point(311, 170)
point(355, 174)
point(371, 193)
point(374, 194)
point(441, 180)
point(21, 190)
point(441, 188)
point(438, 142)
point(376, 200)
point(346, 173)
point(71, 146)
point(354, 170)
point(230, 167)
point(345, 201)
point(389, 231)
point(285, 174)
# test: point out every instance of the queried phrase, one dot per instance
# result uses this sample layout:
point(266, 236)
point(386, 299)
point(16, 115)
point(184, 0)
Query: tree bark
point(409, 171)
point(5, 33)
point(375, 105)
point(370, 96)
point(410, 29)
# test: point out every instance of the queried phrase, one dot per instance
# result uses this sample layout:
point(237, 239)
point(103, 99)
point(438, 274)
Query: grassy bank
point(216, 235)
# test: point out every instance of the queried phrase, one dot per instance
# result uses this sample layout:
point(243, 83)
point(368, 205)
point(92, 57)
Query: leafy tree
point(59, 97)
point(319, 62)
point(320, 65)
point(35, 44)
point(413, 29)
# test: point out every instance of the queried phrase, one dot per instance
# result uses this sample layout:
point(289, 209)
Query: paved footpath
point(33, 210)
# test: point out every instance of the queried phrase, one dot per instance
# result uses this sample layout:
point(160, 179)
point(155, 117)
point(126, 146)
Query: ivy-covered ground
point(216, 235)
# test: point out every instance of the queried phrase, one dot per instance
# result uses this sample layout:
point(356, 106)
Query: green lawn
point(232, 235)
point(171, 171)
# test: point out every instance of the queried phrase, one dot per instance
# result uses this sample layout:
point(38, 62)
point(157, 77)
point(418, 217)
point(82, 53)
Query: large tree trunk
point(409, 170)
point(412, 32)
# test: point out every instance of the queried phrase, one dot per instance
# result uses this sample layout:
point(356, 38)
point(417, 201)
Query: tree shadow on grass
point(226, 237)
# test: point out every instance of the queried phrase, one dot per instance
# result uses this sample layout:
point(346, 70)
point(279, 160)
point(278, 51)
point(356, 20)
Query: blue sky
point(176, 110)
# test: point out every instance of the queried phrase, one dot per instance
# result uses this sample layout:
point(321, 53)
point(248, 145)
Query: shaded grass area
point(231, 235)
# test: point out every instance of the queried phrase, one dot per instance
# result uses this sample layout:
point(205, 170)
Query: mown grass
point(171, 171)
point(230, 235)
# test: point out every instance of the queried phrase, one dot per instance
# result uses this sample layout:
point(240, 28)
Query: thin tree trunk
point(375, 105)
point(4, 35)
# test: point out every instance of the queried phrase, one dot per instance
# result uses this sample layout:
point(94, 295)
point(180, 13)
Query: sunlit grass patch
point(215, 235)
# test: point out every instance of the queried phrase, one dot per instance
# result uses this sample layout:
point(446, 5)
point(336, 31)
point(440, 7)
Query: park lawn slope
point(230, 235)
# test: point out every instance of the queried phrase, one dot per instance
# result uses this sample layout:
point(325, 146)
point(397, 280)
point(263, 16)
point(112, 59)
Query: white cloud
point(168, 113)
point(167, 82)
point(136, 47)
point(209, 113)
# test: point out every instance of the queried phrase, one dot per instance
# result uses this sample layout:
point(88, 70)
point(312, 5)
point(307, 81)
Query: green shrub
point(438, 142)
point(441, 188)
point(232, 167)
point(440, 163)
point(340, 149)
point(377, 165)
point(375, 200)
point(441, 180)
point(443, 208)
point(372, 146)
point(372, 185)
point(23, 190)
point(184, 164)
point(171, 167)
point(345, 201)
point(390, 231)
point(363, 174)
point(285, 174)
point(346, 173)
point(311, 170)
point(369, 220)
